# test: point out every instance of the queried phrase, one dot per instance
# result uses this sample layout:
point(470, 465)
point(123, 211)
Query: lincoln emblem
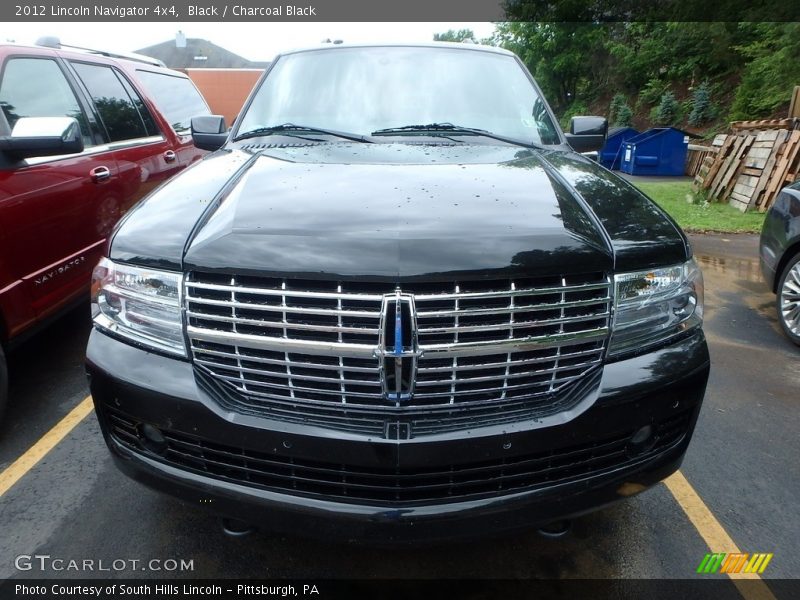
point(398, 348)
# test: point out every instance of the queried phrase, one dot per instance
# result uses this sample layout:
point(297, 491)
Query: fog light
point(642, 440)
point(152, 439)
point(641, 436)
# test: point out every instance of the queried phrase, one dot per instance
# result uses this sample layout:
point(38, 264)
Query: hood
point(384, 211)
point(641, 234)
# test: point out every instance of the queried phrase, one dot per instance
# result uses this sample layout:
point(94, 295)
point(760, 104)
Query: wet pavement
point(742, 462)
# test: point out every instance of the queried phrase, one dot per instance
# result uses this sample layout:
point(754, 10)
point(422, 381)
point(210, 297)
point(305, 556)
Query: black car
point(395, 300)
point(780, 258)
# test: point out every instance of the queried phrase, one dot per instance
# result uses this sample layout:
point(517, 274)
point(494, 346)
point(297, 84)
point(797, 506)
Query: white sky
point(254, 41)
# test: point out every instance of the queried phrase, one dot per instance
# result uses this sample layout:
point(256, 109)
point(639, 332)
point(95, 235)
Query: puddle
point(736, 282)
point(746, 270)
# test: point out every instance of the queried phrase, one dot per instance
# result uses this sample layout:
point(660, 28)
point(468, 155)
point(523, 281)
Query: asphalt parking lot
point(742, 467)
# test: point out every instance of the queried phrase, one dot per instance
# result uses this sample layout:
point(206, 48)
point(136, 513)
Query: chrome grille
point(282, 347)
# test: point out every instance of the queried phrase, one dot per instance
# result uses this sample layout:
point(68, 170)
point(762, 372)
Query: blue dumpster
point(611, 154)
point(657, 151)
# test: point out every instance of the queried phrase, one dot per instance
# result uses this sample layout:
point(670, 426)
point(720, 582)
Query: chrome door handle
point(170, 156)
point(99, 174)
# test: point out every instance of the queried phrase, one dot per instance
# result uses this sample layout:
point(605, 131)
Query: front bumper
point(221, 459)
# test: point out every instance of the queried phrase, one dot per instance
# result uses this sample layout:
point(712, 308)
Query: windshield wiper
point(449, 128)
point(292, 129)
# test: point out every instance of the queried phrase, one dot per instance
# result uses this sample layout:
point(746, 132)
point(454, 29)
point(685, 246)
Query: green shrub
point(617, 102)
point(668, 111)
point(652, 92)
point(702, 109)
point(624, 116)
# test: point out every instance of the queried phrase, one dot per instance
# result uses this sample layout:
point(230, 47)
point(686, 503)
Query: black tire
point(3, 383)
point(788, 299)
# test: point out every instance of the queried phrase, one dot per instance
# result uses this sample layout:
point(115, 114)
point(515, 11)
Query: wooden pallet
point(785, 169)
point(723, 187)
point(794, 106)
point(702, 172)
point(765, 124)
point(697, 155)
point(709, 169)
point(754, 173)
point(758, 196)
point(748, 169)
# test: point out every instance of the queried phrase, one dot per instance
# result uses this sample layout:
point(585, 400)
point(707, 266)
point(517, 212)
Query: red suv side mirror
point(43, 136)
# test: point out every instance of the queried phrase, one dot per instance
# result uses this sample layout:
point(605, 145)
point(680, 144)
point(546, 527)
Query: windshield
point(361, 90)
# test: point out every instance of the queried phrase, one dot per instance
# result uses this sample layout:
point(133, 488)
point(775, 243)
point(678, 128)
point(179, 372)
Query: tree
point(561, 56)
point(452, 35)
point(702, 110)
point(617, 102)
point(672, 52)
point(668, 111)
point(11, 113)
point(120, 117)
point(580, 58)
point(624, 116)
point(771, 71)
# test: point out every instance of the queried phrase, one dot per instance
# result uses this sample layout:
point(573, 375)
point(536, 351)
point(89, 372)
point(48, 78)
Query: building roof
point(198, 53)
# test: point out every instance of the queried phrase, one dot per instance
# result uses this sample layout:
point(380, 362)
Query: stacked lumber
point(765, 124)
point(697, 155)
point(751, 165)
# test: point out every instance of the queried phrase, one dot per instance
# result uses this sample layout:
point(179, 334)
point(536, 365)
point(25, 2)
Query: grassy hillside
point(693, 75)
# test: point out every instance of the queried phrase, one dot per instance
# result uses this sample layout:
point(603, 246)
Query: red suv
point(83, 136)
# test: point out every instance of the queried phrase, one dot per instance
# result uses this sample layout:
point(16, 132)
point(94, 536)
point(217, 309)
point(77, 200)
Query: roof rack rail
point(51, 41)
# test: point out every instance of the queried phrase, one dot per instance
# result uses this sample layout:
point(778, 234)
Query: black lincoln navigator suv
point(396, 298)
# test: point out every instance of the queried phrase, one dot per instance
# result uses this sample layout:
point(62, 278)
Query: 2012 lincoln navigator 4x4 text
point(396, 298)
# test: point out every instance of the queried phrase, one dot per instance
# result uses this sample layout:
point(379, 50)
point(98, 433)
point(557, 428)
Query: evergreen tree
point(668, 111)
point(624, 116)
point(617, 102)
point(702, 111)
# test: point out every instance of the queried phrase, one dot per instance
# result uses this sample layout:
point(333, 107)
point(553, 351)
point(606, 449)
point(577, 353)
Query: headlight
point(142, 305)
point(652, 306)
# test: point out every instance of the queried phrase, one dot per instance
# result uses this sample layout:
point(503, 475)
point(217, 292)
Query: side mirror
point(209, 132)
point(587, 134)
point(42, 136)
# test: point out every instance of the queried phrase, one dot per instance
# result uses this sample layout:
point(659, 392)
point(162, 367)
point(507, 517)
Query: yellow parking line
point(47, 442)
point(714, 534)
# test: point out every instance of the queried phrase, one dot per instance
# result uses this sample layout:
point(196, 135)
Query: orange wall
point(225, 90)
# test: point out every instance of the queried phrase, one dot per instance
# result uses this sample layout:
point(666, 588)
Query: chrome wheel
point(789, 300)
